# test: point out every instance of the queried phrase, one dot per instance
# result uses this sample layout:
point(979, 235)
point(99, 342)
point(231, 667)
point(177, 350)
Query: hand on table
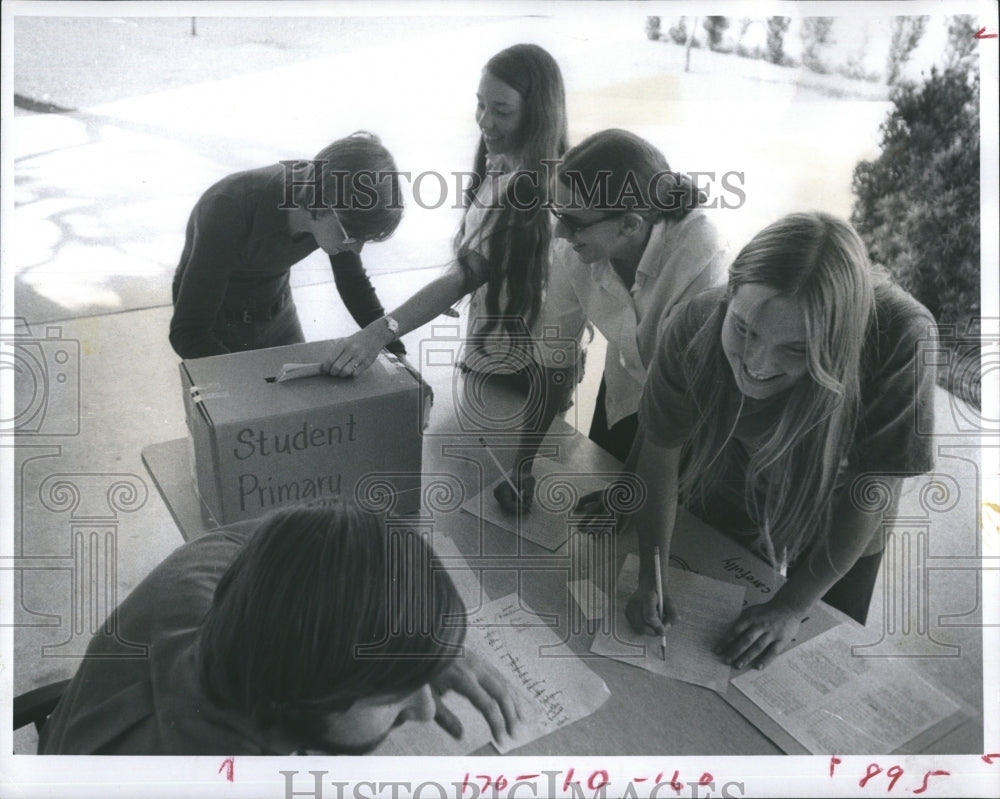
point(641, 612)
point(759, 635)
point(511, 502)
point(352, 355)
point(479, 682)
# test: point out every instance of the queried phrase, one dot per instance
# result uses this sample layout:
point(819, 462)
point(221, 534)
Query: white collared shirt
point(681, 259)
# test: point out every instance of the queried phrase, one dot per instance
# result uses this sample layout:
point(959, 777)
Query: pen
point(659, 600)
point(499, 466)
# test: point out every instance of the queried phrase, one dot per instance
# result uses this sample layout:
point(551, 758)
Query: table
point(646, 714)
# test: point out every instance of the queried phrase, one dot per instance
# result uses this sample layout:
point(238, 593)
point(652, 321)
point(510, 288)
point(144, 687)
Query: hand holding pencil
point(511, 498)
point(649, 610)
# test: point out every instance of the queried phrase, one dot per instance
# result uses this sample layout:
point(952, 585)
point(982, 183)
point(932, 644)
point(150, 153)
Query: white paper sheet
point(707, 608)
point(832, 701)
point(553, 687)
point(547, 524)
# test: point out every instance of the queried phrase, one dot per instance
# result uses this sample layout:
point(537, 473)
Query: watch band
point(393, 326)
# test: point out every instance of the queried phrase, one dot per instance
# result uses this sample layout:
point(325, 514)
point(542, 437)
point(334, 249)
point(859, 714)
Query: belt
point(250, 315)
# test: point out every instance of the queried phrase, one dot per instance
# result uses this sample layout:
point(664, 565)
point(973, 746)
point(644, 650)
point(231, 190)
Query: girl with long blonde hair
point(774, 407)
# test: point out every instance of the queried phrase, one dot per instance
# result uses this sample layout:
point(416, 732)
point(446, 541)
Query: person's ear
point(632, 223)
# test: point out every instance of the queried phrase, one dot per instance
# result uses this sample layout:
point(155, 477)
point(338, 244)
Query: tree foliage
point(917, 204)
point(816, 33)
point(715, 27)
point(906, 35)
point(776, 27)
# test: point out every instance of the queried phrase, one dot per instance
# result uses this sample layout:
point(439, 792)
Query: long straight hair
point(820, 262)
point(520, 232)
point(323, 607)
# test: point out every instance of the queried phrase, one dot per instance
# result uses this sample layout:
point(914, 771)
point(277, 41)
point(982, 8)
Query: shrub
point(906, 35)
point(678, 32)
point(776, 27)
point(815, 35)
point(917, 204)
point(715, 27)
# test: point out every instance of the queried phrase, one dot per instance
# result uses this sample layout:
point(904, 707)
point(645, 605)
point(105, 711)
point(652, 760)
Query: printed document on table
point(707, 608)
point(557, 491)
point(831, 700)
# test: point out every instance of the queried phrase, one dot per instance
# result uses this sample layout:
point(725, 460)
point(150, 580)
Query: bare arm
point(556, 391)
point(657, 469)
point(762, 632)
point(361, 348)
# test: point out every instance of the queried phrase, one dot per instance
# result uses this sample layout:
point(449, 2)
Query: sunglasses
point(575, 225)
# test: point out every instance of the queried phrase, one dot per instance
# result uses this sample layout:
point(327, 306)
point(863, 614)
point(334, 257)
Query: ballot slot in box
point(257, 443)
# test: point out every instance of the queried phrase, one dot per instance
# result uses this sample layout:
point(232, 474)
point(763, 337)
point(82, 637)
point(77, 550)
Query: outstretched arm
point(762, 632)
point(557, 389)
point(356, 290)
point(352, 355)
point(657, 469)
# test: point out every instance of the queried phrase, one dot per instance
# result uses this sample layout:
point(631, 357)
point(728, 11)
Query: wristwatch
point(393, 326)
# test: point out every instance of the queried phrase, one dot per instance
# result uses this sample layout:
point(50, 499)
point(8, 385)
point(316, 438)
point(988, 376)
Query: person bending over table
point(502, 245)
point(633, 242)
point(300, 631)
point(784, 410)
point(231, 290)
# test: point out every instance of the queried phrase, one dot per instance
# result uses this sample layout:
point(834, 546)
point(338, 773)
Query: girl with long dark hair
point(502, 246)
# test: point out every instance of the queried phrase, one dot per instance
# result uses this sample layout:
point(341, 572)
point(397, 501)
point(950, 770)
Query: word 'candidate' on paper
point(707, 608)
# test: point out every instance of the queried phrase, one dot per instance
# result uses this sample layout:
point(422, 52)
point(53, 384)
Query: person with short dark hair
point(231, 291)
point(308, 630)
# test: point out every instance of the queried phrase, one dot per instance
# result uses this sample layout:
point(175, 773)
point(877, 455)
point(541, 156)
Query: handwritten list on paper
point(553, 687)
point(707, 608)
point(831, 701)
point(556, 687)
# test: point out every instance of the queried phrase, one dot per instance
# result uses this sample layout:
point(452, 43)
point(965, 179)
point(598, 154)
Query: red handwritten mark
point(568, 781)
point(927, 776)
point(834, 762)
point(989, 758)
point(228, 765)
point(600, 774)
point(895, 772)
point(982, 34)
point(526, 777)
point(869, 773)
point(705, 779)
point(675, 783)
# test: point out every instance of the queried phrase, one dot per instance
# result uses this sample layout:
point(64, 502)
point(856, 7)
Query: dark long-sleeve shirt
point(238, 251)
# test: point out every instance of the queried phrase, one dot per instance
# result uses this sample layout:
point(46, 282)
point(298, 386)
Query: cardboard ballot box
point(258, 444)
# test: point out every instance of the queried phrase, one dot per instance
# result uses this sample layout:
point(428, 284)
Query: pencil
point(659, 600)
point(500, 467)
